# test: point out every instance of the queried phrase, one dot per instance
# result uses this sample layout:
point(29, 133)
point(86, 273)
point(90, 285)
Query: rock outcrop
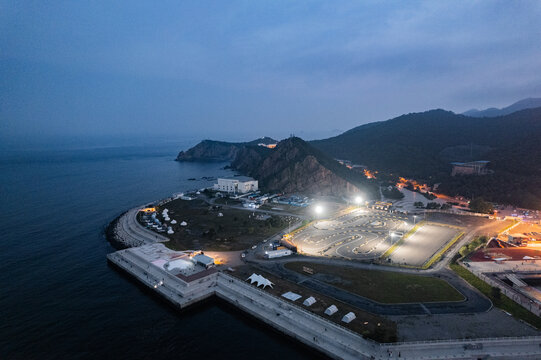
point(294, 166)
point(210, 150)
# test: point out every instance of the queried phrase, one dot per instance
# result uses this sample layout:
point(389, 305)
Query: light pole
point(414, 219)
point(289, 225)
point(318, 210)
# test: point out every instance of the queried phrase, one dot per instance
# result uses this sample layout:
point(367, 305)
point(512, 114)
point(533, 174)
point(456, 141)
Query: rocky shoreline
point(112, 236)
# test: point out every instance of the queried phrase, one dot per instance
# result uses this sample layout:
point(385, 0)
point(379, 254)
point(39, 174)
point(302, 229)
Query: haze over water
point(60, 299)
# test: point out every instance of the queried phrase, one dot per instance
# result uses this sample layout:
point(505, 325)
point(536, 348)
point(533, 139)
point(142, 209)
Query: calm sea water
point(58, 297)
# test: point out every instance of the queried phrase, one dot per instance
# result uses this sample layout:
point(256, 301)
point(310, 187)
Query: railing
point(469, 341)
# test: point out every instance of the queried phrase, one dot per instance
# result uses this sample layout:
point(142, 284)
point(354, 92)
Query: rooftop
point(471, 163)
point(239, 178)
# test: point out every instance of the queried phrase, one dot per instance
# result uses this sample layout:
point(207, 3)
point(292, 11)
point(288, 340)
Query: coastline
point(144, 250)
point(111, 235)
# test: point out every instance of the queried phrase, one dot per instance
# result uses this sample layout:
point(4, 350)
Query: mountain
point(422, 145)
point(211, 150)
point(529, 103)
point(294, 166)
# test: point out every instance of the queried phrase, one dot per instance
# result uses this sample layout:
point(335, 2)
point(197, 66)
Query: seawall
point(313, 330)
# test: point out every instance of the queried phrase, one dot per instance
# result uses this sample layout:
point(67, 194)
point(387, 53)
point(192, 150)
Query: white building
point(238, 184)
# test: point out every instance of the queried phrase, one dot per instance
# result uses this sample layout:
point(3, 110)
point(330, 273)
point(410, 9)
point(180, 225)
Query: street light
point(358, 200)
point(318, 209)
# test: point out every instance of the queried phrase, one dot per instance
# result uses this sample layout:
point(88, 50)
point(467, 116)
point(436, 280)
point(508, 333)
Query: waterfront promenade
point(311, 329)
point(130, 233)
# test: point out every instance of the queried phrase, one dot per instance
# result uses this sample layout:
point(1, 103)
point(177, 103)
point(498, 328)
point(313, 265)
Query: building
point(470, 168)
point(277, 253)
point(204, 260)
point(238, 184)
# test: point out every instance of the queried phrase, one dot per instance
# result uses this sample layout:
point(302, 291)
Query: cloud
point(317, 64)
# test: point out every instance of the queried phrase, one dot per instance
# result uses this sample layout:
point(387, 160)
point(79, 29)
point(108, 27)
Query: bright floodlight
point(318, 209)
point(358, 199)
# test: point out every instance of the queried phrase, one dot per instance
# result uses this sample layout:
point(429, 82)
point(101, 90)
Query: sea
point(59, 298)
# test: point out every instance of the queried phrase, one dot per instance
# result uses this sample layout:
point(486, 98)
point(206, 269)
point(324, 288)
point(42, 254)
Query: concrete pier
point(313, 330)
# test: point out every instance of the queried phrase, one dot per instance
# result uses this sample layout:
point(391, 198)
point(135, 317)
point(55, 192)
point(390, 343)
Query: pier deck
point(313, 330)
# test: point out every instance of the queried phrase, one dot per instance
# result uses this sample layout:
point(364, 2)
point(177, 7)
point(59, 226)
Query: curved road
point(474, 302)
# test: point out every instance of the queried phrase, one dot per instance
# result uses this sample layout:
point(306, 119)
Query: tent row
point(331, 310)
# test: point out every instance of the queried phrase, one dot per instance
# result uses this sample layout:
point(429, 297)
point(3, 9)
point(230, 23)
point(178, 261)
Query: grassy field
point(371, 326)
point(235, 229)
point(382, 286)
point(502, 302)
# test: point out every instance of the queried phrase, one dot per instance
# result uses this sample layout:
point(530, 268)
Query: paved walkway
point(313, 330)
point(129, 232)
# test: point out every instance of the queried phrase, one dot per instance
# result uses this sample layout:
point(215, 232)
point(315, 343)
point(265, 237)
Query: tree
point(495, 292)
point(432, 205)
point(392, 193)
point(481, 206)
point(445, 206)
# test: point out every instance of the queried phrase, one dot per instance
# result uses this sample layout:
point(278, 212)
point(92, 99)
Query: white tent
point(173, 221)
point(349, 317)
point(166, 218)
point(184, 223)
point(179, 264)
point(259, 280)
point(331, 310)
point(309, 301)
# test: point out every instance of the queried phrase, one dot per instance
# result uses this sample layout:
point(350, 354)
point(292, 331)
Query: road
point(474, 301)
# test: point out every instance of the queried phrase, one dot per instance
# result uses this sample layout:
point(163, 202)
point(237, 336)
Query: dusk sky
point(244, 69)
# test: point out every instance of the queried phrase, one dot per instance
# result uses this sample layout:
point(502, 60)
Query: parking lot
point(358, 234)
point(418, 248)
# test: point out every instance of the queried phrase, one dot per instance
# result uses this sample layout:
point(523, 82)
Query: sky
point(234, 70)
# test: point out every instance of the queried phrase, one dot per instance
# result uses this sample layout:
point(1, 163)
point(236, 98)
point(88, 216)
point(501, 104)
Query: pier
point(335, 341)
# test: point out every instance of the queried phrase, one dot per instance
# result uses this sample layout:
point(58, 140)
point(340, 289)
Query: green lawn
point(503, 302)
point(219, 228)
point(382, 286)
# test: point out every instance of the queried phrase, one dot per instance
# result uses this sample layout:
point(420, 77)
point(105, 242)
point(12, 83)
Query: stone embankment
point(125, 232)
